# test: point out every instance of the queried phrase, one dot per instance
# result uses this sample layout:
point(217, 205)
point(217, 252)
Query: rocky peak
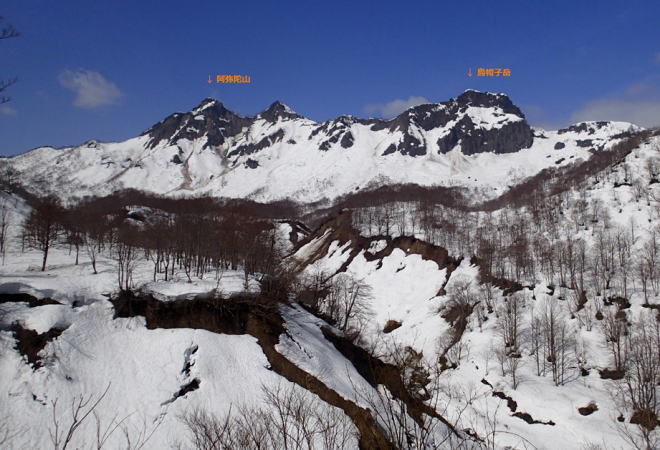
point(477, 121)
point(206, 103)
point(492, 130)
point(584, 127)
point(278, 110)
point(475, 98)
point(209, 119)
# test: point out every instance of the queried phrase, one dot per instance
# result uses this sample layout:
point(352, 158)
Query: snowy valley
point(449, 279)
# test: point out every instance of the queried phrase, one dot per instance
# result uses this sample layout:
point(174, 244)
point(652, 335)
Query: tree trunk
point(43, 265)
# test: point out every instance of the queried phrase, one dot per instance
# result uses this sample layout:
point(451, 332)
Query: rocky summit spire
point(278, 110)
point(209, 119)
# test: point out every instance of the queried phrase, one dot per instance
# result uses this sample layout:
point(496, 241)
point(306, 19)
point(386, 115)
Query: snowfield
point(142, 369)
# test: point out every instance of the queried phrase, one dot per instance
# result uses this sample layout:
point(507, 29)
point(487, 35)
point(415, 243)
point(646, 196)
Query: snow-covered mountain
point(424, 357)
point(478, 140)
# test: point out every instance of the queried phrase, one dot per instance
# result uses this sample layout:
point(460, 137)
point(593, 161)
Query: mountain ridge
point(478, 140)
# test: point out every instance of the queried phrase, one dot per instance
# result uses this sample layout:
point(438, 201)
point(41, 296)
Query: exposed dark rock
point(176, 159)
point(342, 230)
point(530, 420)
point(347, 140)
point(510, 403)
point(29, 343)
point(513, 406)
point(248, 149)
point(611, 374)
point(508, 286)
point(510, 137)
point(588, 410)
point(559, 145)
point(389, 150)
point(583, 127)
point(251, 163)
point(298, 230)
point(192, 386)
point(411, 146)
point(338, 130)
point(31, 300)
point(189, 361)
point(185, 389)
point(277, 111)
point(214, 121)
point(391, 325)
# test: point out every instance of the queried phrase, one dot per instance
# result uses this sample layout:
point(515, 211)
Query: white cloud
point(91, 88)
point(639, 104)
point(395, 107)
point(7, 110)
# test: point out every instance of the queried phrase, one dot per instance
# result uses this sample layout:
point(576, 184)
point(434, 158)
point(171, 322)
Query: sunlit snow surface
point(142, 367)
point(295, 167)
point(405, 289)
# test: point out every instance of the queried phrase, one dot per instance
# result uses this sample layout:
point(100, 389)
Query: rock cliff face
point(210, 119)
point(477, 121)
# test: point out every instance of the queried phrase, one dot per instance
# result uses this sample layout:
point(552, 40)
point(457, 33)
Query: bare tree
point(126, 255)
point(558, 342)
point(7, 32)
point(42, 226)
point(10, 431)
point(288, 418)
point(347, 302)
point(509, 318)
point(404, 432)
point(615, 329)
point(638, 390)
point(82, 407)
point(5, 218)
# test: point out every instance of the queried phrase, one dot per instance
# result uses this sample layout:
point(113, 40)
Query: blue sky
point(109, 70)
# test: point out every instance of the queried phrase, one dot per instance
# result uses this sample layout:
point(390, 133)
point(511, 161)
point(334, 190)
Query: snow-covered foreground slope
point(151, 369)
point(480, 141)
point(414, 292)
point(142, 369)
point(405, 289)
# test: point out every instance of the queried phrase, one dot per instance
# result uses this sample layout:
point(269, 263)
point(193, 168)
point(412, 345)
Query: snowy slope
point(410, 280)
point(412, 288)
point(478, 140)
point(143, 369)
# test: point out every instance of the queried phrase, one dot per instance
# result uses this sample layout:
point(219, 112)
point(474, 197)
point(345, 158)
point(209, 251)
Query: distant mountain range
point(480, 141)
